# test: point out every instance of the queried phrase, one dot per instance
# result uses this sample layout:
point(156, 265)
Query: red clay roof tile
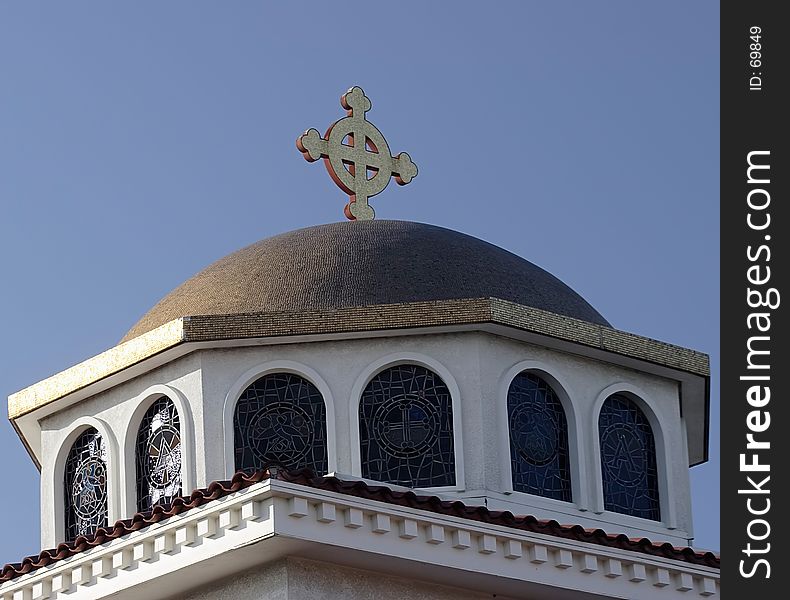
point(360, 489)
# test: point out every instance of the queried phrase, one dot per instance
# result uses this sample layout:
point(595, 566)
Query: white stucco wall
point(477, 367)
point(584, 384)
point(266, 582)
point(300, 579)
point(112, 411)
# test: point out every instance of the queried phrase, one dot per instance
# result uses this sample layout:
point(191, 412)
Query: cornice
point(200, 330)
point(275, 518)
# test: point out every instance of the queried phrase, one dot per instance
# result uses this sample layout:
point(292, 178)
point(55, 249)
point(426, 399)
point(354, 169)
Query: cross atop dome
point(357, 156)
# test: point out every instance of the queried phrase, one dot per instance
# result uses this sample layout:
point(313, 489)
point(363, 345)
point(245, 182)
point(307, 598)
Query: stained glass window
point(539, 456)
point(158, 455)
point(85, 485)
point(628, 459)
point(280, 420)
point(406, 428)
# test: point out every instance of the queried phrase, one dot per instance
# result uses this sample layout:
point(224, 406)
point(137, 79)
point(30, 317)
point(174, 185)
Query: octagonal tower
point(394, 352)
point(368, 409)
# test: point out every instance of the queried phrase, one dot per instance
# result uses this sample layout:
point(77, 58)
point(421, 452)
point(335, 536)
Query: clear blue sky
point(140, 141)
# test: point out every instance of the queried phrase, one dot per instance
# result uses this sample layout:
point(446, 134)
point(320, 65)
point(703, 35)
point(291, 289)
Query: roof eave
point(215, 523)
point(184, 335)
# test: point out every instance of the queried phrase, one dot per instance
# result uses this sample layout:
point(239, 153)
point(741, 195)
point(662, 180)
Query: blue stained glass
point(539, 455)
point(628, 459)
point(406, 428)
point(280, 419)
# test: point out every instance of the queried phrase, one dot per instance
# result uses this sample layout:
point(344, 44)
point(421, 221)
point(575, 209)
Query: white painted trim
point(403, 358)
point(58, 466)
point(128, 475)
point(576, 442)
point(268, 368)
point(263, 522)
point(685, 454)
point(663, 455)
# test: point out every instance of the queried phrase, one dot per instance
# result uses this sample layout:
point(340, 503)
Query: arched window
point(280, 419)
point(85, 485)
point(628, 459)
point(539, 456)
point(406, 428)
point(158, 455)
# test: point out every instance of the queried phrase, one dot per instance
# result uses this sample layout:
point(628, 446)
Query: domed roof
point(360, 263)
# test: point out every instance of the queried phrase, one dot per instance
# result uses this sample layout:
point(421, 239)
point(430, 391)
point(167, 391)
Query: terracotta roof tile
point(360, 489)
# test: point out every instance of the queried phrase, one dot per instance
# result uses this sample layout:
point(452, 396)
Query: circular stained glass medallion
point(407, 425)
point(535, 434)
point(406, 428)
point(539, 455)
point(158, 455)
point(627, 459)
point(281, 430)
point(85, 485)
point(164, 456)
point(89, 489)
point(280, 419)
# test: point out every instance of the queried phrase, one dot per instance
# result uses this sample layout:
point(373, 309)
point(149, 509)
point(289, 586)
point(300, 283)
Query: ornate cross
point(357, 156)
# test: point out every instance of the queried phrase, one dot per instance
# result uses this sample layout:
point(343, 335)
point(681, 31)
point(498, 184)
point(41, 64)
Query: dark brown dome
point(359, 263)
